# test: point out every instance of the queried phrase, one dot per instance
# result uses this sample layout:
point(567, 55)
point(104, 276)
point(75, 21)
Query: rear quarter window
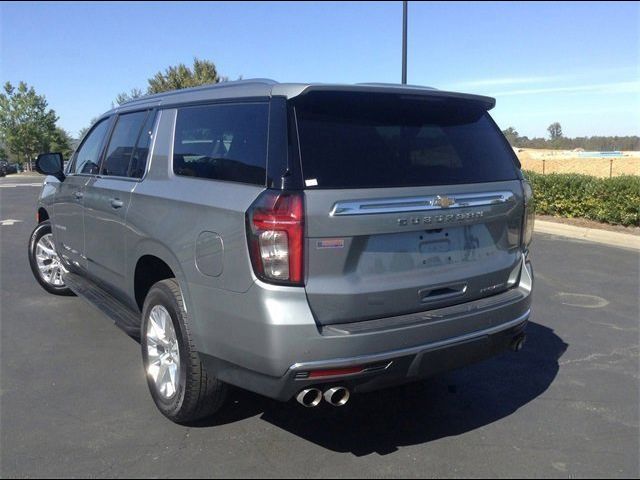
point(222, 142)
point(379, 140)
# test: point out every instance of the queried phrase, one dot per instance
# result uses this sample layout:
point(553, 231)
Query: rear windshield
point(356, 140)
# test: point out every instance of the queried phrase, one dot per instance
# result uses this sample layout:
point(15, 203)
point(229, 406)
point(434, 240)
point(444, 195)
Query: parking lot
point(73, 400)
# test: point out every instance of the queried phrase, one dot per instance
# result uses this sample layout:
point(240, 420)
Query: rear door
point(69, 229)
point(411, 204)
point(108, 196)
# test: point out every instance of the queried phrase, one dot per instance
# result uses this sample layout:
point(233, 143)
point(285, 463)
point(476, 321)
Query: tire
point(52, 283)
point(193, 394)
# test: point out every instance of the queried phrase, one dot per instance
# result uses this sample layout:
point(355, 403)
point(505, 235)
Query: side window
point(141, 153)
point(88, 156)
point(122, 144)
point(222, 142)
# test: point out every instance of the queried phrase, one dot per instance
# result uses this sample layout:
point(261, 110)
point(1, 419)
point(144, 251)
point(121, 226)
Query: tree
point(125, 97)
point(203, 72)
point(62, 142)
point(512, 136)
point(27, 125)
point(180, 76)
point(3, 154)
point(84, 130)
point(628, 143)
point(555, 131)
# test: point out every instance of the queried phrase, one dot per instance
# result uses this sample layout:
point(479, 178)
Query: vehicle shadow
point(443, 406)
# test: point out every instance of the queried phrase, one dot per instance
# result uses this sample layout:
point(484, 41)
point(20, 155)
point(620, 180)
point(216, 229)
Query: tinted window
point(122, 144)
point(357, 141)
point(88, 156)
point(141, 153)
point(222, 142)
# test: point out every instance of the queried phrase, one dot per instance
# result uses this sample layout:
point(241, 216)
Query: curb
point(615, 239)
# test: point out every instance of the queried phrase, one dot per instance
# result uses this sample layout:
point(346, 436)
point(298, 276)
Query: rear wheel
point(45, 262)
point(179, 384)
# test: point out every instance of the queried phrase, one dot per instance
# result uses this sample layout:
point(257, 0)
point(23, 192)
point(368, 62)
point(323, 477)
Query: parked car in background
point(13, 168)
point(303, 241)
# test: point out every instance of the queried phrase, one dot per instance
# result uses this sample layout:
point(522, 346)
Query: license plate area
point(426, 249)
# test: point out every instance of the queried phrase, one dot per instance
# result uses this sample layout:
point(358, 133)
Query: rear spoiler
point(487, 103)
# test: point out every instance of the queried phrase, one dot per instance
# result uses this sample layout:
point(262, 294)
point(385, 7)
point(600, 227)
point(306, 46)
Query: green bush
point(612, 200)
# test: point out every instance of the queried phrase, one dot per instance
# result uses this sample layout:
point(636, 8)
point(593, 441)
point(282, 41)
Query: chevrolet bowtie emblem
point(443, 201)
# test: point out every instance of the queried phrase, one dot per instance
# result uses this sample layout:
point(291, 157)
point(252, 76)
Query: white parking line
point(12, 185)
point(9, 222)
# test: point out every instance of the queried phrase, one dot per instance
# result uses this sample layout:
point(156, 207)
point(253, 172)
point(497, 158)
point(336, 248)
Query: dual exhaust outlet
point(311, 397)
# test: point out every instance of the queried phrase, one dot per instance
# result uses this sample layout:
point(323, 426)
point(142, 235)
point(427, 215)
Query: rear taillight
point(529, 215)
point(275, 234)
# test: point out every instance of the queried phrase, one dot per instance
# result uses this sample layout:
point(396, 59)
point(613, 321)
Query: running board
point(123, 316)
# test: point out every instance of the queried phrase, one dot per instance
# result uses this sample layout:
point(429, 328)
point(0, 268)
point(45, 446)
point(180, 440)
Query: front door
point(68, 221)
point(106, 204)
point(108, 196)
point(68, 224)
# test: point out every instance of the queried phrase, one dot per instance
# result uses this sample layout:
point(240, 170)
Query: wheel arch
point(42, 215)
point(154, 262)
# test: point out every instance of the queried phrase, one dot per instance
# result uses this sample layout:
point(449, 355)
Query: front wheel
point(179, 384)
point(45, 262)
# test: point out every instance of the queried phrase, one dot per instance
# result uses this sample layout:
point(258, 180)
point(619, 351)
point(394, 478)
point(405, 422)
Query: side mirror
point(50, 164)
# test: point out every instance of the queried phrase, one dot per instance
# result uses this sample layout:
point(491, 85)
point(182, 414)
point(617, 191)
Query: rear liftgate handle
point(442, 293)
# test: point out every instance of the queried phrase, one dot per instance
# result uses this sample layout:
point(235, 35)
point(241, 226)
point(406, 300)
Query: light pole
point(404, 42)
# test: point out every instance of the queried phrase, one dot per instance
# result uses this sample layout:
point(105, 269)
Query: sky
point(576, 63)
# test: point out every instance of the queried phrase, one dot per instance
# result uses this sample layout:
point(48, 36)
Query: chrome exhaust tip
point(518, 342)
point(337, 396)
point(310, 397)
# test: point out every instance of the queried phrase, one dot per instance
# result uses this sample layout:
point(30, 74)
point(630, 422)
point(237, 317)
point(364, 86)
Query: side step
point(123, 316)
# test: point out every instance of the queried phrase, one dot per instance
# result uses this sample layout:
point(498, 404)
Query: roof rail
point(209, 86)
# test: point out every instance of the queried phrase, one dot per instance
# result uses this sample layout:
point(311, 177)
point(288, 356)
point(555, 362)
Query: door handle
point(116, 203)
point(78, 195)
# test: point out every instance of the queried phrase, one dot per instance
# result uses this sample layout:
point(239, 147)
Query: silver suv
point(302, 241)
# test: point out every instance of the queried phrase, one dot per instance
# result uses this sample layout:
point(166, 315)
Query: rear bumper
point(396, 369)
point(280, 355)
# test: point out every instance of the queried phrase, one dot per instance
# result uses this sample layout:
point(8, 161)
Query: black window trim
point(284, 170)
point(151, 113)
point(214, 102)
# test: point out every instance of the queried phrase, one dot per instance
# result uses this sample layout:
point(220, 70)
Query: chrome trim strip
point(419, 204)
point(380, 357)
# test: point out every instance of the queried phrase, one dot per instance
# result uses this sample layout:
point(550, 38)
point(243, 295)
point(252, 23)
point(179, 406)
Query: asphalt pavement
point(74, 402)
